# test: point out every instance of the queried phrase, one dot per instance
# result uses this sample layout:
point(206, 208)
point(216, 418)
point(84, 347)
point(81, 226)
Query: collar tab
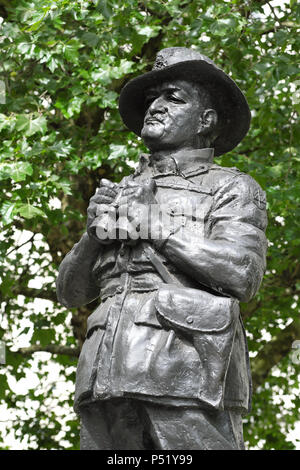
point(184, 163)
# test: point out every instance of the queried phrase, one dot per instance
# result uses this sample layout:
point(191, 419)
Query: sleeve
point(231, 257)
point(75, 285)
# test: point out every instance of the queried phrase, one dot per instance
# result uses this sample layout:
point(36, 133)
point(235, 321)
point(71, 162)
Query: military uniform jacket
point(129, 350)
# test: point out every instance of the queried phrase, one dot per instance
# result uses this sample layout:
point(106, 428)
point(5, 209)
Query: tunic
point(220, 254)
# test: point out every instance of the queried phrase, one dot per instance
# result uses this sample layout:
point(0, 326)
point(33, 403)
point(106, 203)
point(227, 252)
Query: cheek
point(184, 124)
point(176, 121)
point(185, 117)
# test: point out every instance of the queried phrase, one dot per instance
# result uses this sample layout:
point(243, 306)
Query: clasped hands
point(123, 215)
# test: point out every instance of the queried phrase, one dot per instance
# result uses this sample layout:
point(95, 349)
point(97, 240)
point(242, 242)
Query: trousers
point(130, 424)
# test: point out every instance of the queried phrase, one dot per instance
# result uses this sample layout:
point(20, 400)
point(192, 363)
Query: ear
point(207, 122)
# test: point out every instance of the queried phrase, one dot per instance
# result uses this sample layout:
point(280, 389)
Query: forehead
point(181, 86)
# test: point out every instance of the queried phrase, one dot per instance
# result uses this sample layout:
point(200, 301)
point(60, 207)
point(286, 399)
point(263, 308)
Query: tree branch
point(248, 309)
point(15, 248)
point(4, 5)
point(284, 24)
point(246, 8)
point(51, 348)
point(35, 293)
point(273, 352)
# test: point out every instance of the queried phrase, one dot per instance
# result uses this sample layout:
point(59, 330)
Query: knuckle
point(91, 204)
point(107, 183)
point(104, 182)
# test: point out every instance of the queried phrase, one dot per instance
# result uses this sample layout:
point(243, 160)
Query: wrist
point(91, 241)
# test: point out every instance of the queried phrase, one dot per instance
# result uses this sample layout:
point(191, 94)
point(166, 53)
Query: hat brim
point(228, 100)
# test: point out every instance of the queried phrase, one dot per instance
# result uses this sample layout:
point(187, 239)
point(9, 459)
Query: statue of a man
point(165, 362)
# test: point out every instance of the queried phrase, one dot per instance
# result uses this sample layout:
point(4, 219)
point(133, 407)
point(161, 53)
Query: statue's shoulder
point(218, 176)
point(225, 171)
point(232, 180)
point(231, 175)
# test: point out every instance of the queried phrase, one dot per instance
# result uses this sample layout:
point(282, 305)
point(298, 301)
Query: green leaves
point(3, 386)
point(27, 124)
point(43, 336)
point(148, 31)
point(71, 50)
point(30, 125)
point(70, 107)
point(32, 17)
point(28, 211)
point(16, 171)
point(4, 121)
point(10, 210)
point(63, 66)
point(91, 39)
point(117, 151)
point(7, 212)
point(222, 26)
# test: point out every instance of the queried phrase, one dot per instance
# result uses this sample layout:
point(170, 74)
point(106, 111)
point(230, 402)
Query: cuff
point(164, 237)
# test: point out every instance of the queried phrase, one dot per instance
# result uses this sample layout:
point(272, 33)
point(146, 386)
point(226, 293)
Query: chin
point(153, 146)
point(150, 137)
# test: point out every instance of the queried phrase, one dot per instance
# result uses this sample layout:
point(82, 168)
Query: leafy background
point(63, 64)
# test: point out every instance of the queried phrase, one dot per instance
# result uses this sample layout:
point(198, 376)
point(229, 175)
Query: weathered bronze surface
point(170, 251)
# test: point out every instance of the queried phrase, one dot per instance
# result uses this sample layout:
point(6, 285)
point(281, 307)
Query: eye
point(149, 99)
point(174, 98)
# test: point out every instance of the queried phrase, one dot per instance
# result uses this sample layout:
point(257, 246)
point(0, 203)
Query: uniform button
point(189, 320)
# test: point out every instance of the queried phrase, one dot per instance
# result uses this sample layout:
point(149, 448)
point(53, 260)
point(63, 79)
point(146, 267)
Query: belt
point(139, 282)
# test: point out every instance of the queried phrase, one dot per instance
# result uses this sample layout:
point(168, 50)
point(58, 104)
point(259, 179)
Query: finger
point(129, 204)
point(127, 201)
point(139, 192)
point(93, 207)
point(131, 184)
point(106, 200)
point(103, 202)
point(91, 211)
point(133, 192)
point(127, 191)
point(106, 192)
point(107, 183)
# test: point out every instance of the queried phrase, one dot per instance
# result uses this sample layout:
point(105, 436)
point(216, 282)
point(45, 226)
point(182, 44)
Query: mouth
point(153, 121)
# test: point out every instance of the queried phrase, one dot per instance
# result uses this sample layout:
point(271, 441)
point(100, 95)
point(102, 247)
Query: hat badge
point(160, 62)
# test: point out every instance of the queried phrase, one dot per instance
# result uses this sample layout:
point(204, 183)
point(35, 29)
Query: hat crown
point(181, 63)
point(175, 55)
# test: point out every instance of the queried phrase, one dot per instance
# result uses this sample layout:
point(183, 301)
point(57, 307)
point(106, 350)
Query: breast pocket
point(187, 210)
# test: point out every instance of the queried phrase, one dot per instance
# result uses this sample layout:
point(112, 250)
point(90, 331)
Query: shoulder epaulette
point(233, 170)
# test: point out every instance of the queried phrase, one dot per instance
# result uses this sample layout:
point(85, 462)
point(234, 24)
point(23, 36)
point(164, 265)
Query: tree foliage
point(63, 64)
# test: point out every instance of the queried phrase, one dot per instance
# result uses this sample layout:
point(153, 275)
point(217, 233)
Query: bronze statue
point(170, 251)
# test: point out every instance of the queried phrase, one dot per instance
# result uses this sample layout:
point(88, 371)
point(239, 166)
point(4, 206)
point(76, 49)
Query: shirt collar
point(182, 162)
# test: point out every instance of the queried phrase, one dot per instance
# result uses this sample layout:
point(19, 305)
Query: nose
point(157, 106)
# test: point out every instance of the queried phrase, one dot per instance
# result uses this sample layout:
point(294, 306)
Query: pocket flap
point(195, 310)
point(146, 313)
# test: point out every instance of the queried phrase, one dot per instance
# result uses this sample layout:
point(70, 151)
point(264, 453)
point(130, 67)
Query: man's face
point(172, 117)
